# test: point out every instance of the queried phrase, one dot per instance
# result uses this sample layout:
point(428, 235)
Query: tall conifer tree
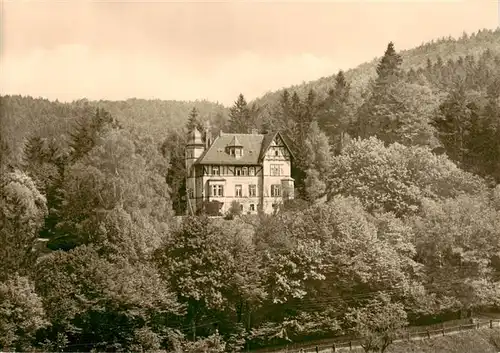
point(239, 116)
point(374, 113)
point(389, 67)
point(194, 121)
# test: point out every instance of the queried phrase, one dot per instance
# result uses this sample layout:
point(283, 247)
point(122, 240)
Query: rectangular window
point(252, 207)
point(276, 170)
point(252, 190)
point(238, 191)
point(217, 190)
point(215, 170)
point(275, 190)
point(237, 171)
point(190, 193)
point(251, 171)
point(244, 171)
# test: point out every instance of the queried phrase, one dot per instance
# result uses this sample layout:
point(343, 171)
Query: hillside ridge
point(448, 48)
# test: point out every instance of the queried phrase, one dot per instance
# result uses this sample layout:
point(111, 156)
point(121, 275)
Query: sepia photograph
point(250, 176)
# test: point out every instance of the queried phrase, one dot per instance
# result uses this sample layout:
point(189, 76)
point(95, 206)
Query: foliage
point(400, 112)
point(458, 240)
point(116, 302)
point(116, 196)
point(234, 210)
point(88, 131)
point(22, 211)
point(310, 146)
point(21, 314)
point(410, 218)
point(446, 48)
point(210, 266)
point(193, 121)
point(22, 117)
point(211, 344)
point(326, 256)
point(379, 323)
point(239, 116)
point(337, 111)
point(295, 328)
point(211, 208)
point(173, 151)
point(397, 178)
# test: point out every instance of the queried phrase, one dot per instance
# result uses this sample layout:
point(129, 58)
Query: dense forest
point(396, 220)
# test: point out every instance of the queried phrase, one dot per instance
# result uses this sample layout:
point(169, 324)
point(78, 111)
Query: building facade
point(252, 169)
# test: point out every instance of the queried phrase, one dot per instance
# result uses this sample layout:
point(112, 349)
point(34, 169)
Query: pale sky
point(209, 50)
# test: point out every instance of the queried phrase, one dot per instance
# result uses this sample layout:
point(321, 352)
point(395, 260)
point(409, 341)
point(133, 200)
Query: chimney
point(208, 135)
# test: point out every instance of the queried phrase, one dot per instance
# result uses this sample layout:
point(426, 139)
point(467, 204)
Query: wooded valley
point(396, 220)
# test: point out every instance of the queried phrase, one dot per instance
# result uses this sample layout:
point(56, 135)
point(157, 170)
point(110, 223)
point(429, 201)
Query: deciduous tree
point(118, 303)
point(22, 212)
point(21, 314)
point(378, 323)
point(397, 178)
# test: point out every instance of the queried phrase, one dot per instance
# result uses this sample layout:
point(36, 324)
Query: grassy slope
point(475, 341)
point(480, 341)
point(446, 48)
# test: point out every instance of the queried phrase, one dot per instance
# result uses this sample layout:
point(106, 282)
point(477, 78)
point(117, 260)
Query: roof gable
point(275, 138)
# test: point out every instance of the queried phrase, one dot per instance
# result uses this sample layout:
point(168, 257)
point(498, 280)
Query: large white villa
point(252, 169)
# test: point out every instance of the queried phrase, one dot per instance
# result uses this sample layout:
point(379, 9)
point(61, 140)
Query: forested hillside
point(22, 117)
point(396, 220)
point(442, 95)
point(442, 49)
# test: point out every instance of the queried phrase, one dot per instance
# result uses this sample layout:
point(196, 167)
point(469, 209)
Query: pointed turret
point(194, 138)
point(194, 149)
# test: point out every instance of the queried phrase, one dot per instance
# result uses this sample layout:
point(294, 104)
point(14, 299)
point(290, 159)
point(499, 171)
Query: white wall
point(230, 190)
point(263, 181)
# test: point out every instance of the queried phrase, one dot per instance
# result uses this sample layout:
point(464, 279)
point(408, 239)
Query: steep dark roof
point(235, 142)
point(254, 149)
point(216, 153)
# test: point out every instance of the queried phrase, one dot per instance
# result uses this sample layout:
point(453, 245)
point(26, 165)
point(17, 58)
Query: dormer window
point(236, 152)
point(235, 148)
